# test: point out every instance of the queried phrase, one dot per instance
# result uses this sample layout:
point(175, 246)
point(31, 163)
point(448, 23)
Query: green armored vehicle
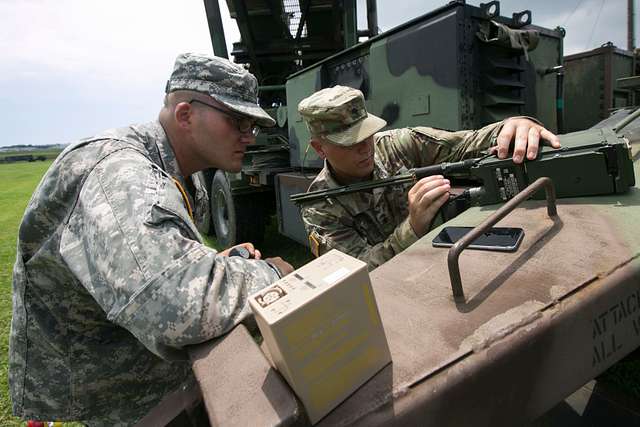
point(598, 82)
point(457, 67)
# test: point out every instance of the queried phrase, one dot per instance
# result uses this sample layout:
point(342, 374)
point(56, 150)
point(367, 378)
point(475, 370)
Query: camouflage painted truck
point(457, 67)
point(612, 76)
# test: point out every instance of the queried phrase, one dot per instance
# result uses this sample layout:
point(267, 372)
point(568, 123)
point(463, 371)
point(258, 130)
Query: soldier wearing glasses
point(112, 280)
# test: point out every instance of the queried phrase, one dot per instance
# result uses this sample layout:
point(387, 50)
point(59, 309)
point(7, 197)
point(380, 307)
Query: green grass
point(17, 182)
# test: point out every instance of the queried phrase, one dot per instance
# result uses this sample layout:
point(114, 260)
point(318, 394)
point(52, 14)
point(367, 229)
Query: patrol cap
point(339, 115)
point(226, 82)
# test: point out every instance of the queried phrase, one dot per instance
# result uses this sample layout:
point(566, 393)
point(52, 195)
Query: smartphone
point(503, 239)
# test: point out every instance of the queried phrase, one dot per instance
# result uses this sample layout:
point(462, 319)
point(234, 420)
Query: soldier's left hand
point(527, 135)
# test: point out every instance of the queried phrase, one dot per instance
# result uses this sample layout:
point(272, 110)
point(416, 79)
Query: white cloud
point(115, 42)
point(69, 68)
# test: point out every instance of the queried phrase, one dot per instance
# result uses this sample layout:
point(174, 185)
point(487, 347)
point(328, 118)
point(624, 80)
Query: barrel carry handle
point(456, 250)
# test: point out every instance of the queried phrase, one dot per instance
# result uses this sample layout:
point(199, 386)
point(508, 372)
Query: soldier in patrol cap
point(374, 226)
point(112, 280)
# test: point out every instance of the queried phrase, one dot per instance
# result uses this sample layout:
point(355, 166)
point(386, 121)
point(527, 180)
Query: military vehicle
point(598, 82)
point(480, 337)
point(477, 338)
point(488, 67)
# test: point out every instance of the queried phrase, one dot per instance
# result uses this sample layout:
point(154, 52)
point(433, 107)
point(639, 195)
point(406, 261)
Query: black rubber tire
point(236, 219)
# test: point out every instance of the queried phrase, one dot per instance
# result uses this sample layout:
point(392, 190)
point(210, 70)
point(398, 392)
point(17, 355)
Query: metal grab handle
point(454, 252)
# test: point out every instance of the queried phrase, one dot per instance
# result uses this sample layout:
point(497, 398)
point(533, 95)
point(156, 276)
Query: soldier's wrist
point(275, 268)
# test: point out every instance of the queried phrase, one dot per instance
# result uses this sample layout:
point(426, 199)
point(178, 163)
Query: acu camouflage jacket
point(112, 281)
point(374, 226)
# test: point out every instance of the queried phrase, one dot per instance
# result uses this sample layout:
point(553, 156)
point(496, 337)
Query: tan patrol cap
point(339, 115)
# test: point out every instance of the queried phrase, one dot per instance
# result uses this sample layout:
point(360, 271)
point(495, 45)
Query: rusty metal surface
point(536, 325)
point(522, 375)
point(239, 386)
point(438, 345)
point(454, 253)
point(554, 259)
point(183, 399)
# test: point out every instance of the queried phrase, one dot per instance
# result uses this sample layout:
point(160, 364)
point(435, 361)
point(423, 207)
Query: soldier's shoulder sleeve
point(416, 146)
point(437, 145)
point(107, 238)
point(396, 148)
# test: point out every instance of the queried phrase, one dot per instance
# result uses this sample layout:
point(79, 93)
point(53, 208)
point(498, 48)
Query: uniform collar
point(163, 155)
point(357, 202)
point(164, 152)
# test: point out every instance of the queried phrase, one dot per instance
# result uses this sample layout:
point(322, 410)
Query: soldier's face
point(218, 141)
point(350, 164)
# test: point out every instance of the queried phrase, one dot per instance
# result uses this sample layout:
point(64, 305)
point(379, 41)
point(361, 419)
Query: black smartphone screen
point(505, 239)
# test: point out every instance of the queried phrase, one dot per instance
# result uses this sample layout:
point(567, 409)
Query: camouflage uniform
point(112, 281)
point(374, 226)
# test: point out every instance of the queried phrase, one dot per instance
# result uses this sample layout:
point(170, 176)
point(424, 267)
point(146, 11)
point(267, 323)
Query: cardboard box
point(323, 331)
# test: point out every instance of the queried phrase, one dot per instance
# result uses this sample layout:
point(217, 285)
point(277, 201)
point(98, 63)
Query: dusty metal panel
point(239, 386)
point(589, 83)
point(555, 259)
point(517, 377)
point(528, 319)
point(536, 325)
point(507, 293)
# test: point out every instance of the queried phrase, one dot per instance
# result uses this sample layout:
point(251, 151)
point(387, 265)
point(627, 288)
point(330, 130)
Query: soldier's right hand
point(426, 197)
point(282, 265)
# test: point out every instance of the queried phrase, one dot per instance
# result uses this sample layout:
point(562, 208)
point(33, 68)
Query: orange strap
point(184, 197)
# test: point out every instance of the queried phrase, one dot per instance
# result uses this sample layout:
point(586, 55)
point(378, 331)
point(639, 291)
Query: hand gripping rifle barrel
point(412, 176)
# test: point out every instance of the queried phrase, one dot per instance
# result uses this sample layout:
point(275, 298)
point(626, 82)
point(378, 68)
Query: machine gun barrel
point(413, 175)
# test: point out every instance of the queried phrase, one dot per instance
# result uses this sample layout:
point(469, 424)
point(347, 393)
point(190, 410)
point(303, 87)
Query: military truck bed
point(536, 325)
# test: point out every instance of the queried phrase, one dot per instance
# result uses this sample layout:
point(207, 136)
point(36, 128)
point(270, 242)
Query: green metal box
point(436, 70)
point(590, 90)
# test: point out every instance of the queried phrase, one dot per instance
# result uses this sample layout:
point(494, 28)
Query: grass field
point(18, 180)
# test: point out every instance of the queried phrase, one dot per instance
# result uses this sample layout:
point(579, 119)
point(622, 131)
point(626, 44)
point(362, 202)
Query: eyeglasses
point(244, 124)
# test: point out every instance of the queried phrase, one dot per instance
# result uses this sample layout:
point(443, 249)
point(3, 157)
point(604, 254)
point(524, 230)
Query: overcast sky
point(72, 68)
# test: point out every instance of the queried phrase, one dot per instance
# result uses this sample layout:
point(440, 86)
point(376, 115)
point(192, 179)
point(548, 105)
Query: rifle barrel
point(353, 188)
point(412, 176)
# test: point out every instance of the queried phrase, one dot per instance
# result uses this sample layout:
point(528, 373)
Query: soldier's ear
point(182, 114)
point(317, 146)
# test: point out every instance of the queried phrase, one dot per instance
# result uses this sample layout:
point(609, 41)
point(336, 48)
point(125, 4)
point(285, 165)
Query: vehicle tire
point(236, 219)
